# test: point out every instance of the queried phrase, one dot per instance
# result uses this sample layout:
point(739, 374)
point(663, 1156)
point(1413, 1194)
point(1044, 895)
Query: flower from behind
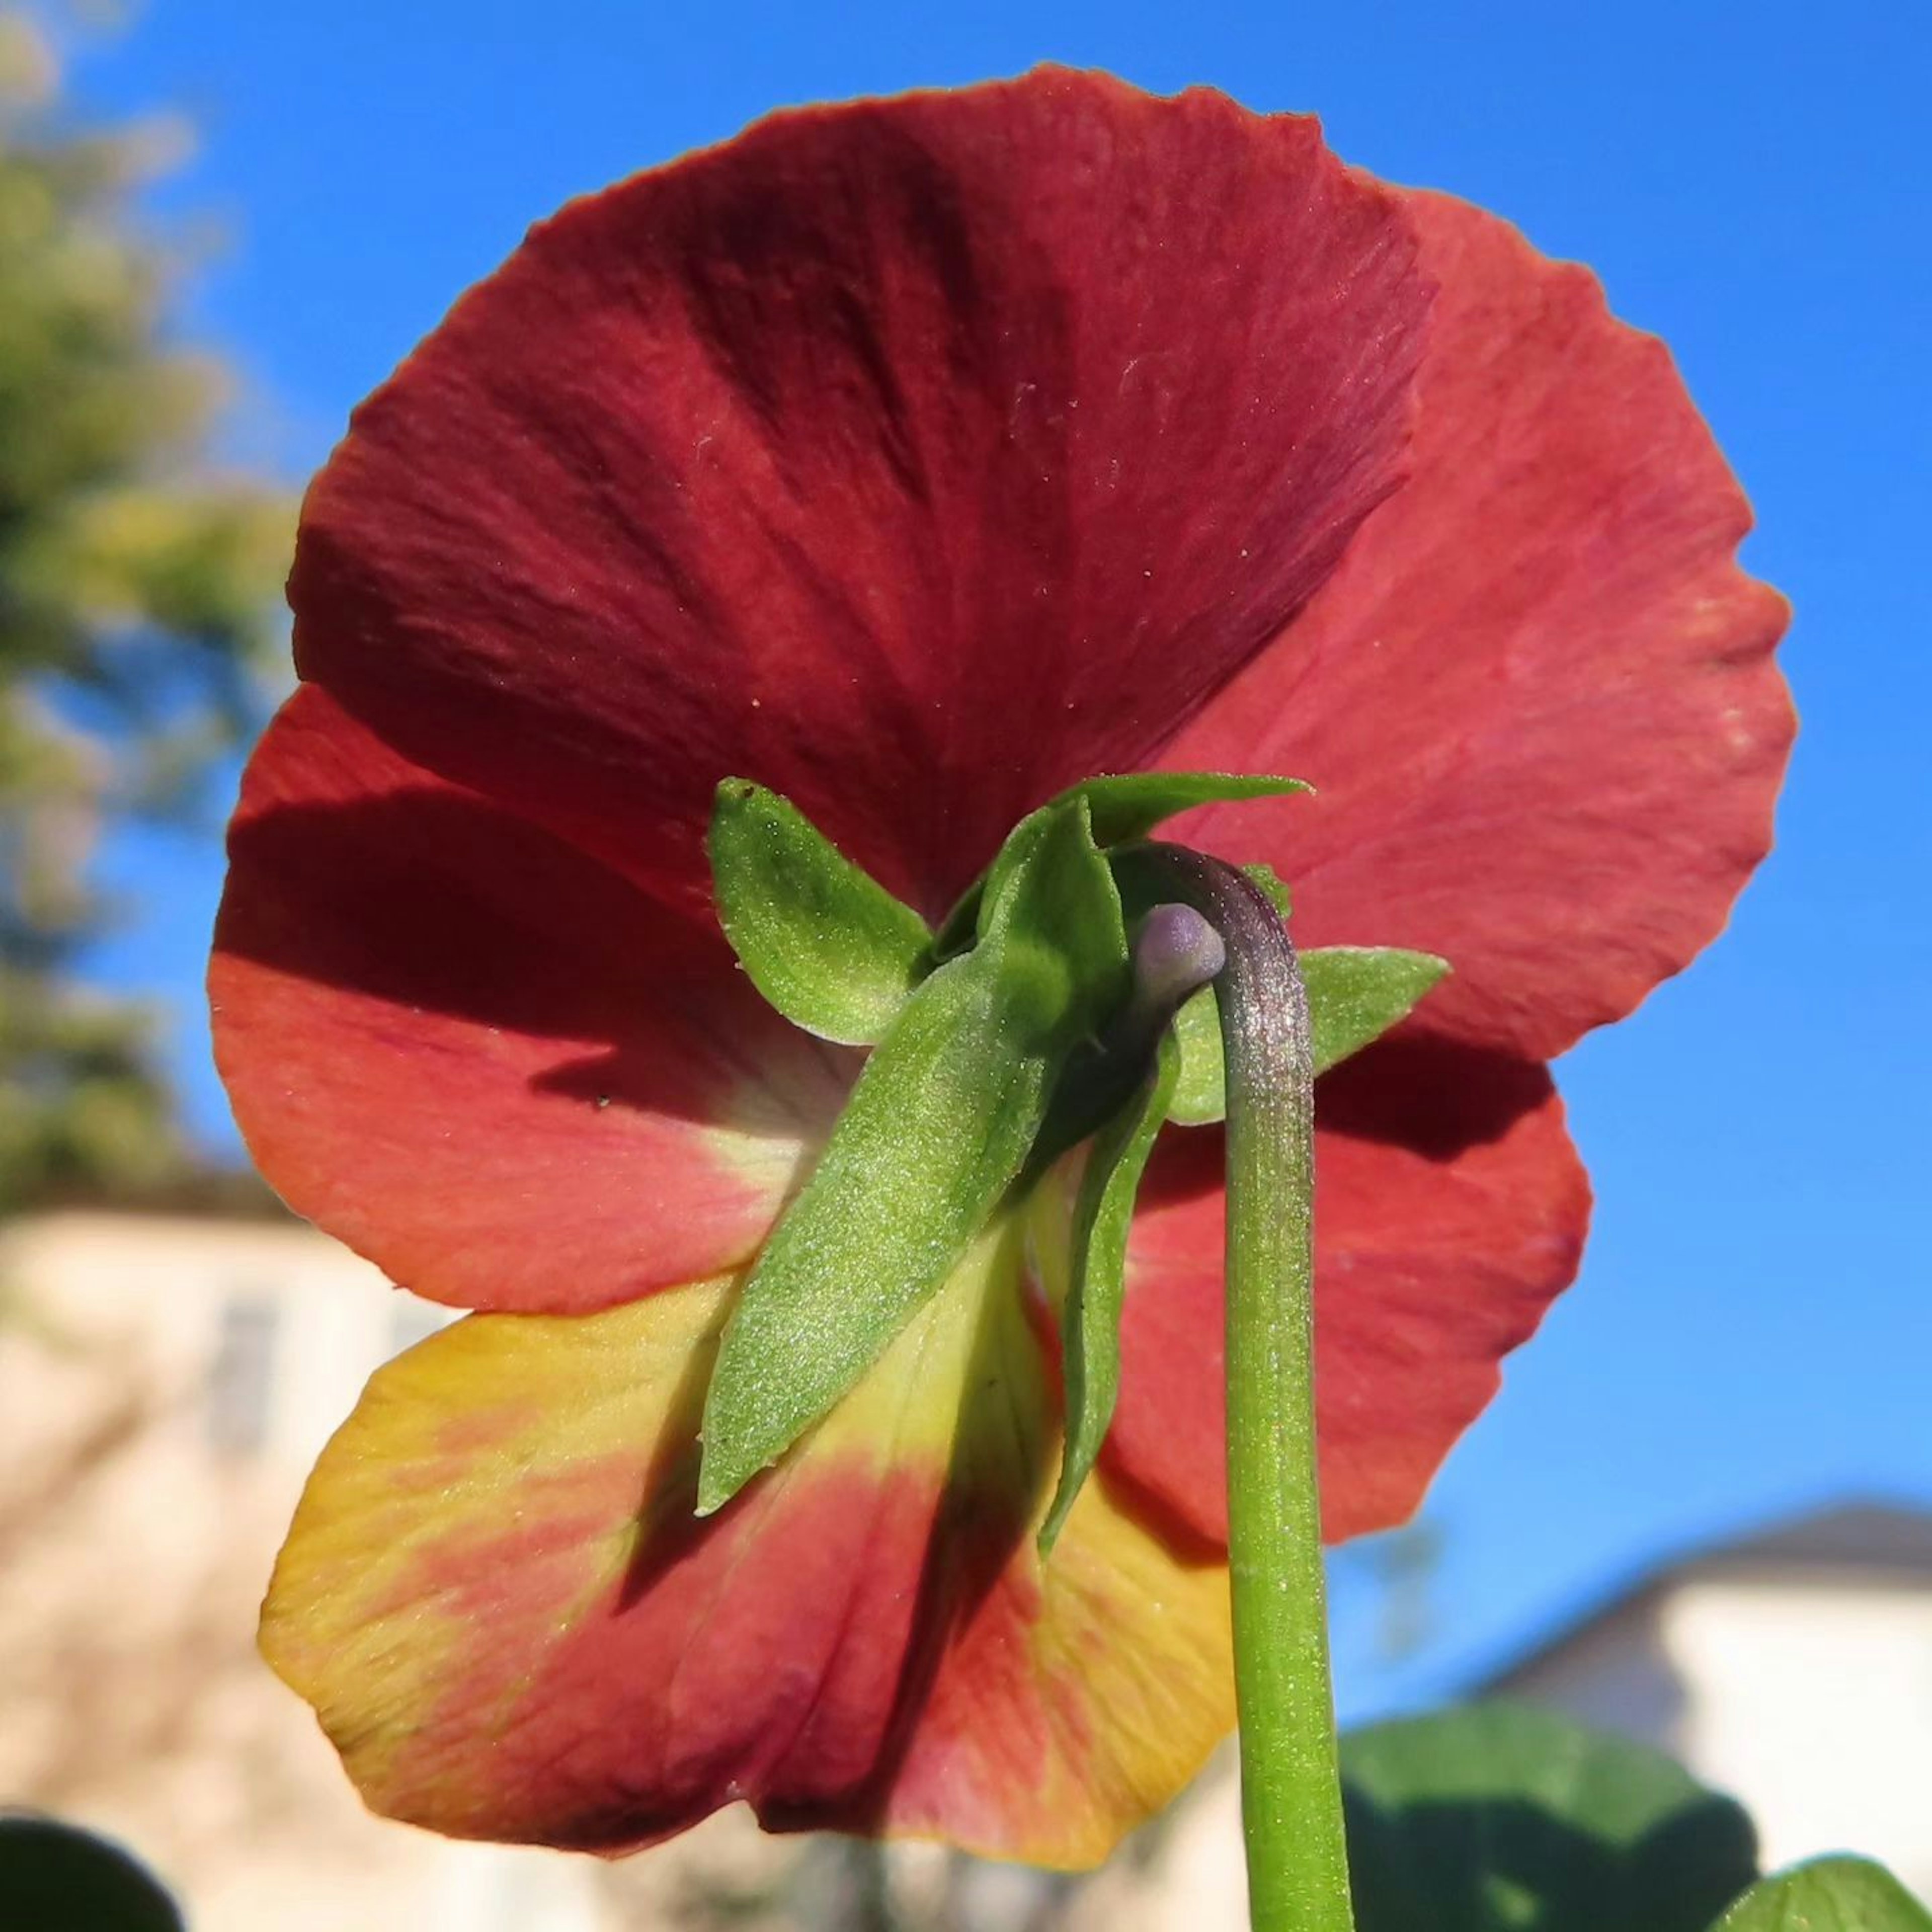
point(916, 459)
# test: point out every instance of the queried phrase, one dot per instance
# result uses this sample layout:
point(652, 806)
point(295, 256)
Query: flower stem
point(1290, 1779)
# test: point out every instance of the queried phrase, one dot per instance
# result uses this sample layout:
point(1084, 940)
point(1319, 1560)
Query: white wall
point(1813, 1703)
point(1806, 1695)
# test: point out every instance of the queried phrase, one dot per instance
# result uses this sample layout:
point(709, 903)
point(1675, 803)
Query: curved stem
point(1290, 1779)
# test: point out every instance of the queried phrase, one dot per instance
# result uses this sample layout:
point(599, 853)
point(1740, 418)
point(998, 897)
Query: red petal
point(479, 1057)
point(495, 1596)
point(913, 457)
point(1538, 697)
point(1450, 1211)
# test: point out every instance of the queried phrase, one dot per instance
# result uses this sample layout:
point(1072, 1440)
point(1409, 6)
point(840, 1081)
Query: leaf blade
point(1503, 1817)
point(1832, 1895)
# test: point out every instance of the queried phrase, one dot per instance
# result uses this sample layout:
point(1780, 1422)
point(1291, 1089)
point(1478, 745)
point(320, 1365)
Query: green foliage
point(137, 603)
point(1500, 1818)
point(1838, 1895)
point(1355, 994)
point(936, 1128)
point(56, 1878)
point(826, 944)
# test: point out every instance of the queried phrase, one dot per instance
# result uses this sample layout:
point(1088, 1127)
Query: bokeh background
point(221, 223)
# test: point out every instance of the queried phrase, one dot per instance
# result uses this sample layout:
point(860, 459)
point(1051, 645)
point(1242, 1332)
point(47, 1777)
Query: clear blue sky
point(1754, 1328)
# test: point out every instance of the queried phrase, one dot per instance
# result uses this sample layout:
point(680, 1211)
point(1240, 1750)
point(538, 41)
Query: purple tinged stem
point(1290, 1779)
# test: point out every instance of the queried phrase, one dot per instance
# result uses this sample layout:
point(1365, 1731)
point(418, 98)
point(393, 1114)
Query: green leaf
point(1124, 807)
point(1355, 994)
point(55, 1876)
point(1501, 1818)
point(822, 941)
point(937, 1126)
point(1835, 1894)
point(1097, 1278)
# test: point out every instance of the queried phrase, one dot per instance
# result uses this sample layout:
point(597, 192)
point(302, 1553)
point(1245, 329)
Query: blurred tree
point(137, 604)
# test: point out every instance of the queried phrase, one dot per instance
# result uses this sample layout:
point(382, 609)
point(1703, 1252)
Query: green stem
point(1291, 1778)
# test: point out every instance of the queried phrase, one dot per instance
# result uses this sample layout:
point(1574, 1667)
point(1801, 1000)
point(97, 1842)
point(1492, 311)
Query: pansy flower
point(917, 460)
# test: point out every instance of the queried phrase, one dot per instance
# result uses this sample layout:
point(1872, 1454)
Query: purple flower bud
point(1175, 952)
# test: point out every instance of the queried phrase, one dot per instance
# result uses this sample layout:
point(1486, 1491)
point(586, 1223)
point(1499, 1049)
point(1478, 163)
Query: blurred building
point(166, 1380)
point(1791, 1669)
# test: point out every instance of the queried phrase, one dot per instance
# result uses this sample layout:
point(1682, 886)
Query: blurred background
point(1710, 1477)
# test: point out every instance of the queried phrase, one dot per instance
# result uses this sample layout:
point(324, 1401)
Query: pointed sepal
point(1355, 994)
point(936, 1128)
point(1097, 1277)
point(825, 943)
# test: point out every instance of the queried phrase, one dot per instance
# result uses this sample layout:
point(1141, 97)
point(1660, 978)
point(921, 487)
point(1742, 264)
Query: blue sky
point(1754, 1328)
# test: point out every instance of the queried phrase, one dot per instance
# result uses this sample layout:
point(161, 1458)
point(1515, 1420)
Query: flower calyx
point(1062, 1000)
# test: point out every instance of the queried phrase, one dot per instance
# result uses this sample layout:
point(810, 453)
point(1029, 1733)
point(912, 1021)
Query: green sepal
point(1504, 1818)
point(1130, 805)
point(1830, 1894)
point(936, 1128)
point(1355, 994)
point(1200, 1096)
point(1271, 882)
point(1097, 1278)
point(1124, 807)
point(1057, 934)
point(825, 943)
